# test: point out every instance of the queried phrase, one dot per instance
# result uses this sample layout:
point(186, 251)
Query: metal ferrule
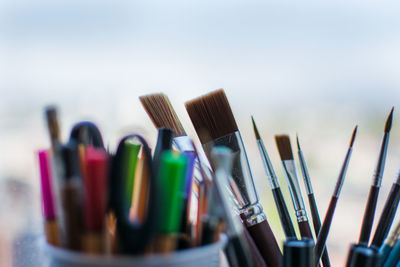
point(343, 171)
point(380, 166)
point(294, 188)
point(269, 169)
point(241, 174)
point(184, 144)
point(306, 175)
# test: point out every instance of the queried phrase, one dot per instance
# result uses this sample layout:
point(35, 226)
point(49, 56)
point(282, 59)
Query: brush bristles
point(211, 116)
point(284, 148)
point(162, 113)
point(388, 124)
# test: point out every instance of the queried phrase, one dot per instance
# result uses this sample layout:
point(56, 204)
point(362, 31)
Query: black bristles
point(257, 134)
point(284, 147)
point(211, 116)
point(388, 124)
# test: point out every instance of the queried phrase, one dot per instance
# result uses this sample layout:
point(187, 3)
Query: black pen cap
point(362, 256)
point(298, 253)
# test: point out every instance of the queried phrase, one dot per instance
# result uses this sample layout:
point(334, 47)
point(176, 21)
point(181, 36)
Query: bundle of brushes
point(135, 202)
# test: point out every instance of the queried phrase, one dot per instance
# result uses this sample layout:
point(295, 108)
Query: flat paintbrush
point(162, 114)
point(289, 167)
point(283, 212)
point(323, 233)
point(215, 125)
point(370, 208)
point(311, 199)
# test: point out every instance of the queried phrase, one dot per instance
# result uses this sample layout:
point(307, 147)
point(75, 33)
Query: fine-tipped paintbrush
point(215, 125)
point(283, 212)
point(370, 208)
point(311, 200)
point(323, 233)
point(388, 213)
point(289, 166)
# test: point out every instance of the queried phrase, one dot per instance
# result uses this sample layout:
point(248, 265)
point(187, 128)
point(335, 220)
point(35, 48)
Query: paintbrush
point(289, 167)
point(215, 125)
point(323, 233)
point(311, 199)
point(162, 114)
point(283, 212)
point(238, 251)
point(388, 213)
point(370, 208)
point(390, 242)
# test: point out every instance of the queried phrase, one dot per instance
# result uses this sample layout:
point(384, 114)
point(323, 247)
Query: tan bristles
point(284, 147)
point(162, 113)
point(211, 116)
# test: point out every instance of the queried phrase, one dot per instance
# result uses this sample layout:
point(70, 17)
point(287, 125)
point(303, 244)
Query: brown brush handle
point(369, 215)
point(305, 230)
point(265, 241)
point(258, 260)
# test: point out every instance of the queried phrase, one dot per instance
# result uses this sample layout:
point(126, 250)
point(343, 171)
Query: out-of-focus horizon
point(311, 67)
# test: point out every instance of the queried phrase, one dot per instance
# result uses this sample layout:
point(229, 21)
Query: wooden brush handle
point(323, 233)
point(317, 226)
point(369, 215)
point(388, 213)
point(305, 230)
point(265, 241)
point(286, 221)
point(258, 260)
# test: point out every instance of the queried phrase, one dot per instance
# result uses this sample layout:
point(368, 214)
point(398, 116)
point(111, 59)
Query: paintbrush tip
point(353, 137)
point(257, 134)
point(297, 141)
point(284, 147)
point(388, 124)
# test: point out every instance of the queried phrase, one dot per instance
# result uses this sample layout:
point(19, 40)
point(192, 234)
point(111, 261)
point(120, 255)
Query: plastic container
point(205, 256)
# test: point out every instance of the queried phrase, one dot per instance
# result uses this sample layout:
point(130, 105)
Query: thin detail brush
point(283, 212)
point(289, 167)
point(370, 208)
point(311, 200)
point(323, 233)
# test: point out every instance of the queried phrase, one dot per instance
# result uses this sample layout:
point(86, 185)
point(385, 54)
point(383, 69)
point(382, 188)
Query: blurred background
point(312, 67)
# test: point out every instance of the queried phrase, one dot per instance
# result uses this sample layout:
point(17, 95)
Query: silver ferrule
point(380, 166)
point(241, 174)
point(184, 144)
point(269, 169)
point(294, 186)
point(306, 175)
point(343, 171)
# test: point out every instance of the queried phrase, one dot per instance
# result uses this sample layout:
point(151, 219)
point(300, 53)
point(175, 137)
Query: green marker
point(130, 159)
point(172, 187)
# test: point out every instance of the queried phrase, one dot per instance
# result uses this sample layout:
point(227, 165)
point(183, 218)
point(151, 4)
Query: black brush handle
point(266, 243)
point(286, 221)
point(323, 233)
point(305, 229)
point(369, 215)
point(388, 213)
point(238, 252)
point(317, 226)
